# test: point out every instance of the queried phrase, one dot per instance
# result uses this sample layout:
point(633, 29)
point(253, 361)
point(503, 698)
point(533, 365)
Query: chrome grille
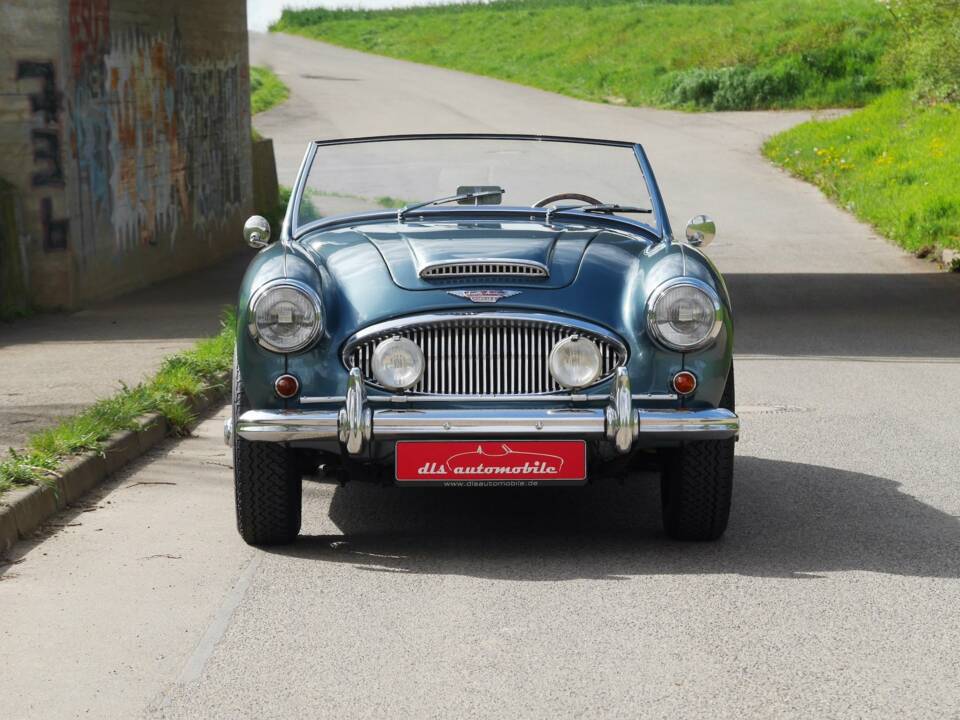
point(486, 356)
point(485, 268)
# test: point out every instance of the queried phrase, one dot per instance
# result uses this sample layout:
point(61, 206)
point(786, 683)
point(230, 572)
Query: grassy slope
point(181, 376)
point(894, 164)
point(802, 53)
point(266, 90)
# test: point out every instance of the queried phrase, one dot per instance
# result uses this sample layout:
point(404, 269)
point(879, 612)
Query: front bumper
point(355, 425)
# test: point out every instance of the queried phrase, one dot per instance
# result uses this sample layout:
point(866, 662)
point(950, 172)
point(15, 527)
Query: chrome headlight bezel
point(261, 293)
point(657, 296)
point(553, 362)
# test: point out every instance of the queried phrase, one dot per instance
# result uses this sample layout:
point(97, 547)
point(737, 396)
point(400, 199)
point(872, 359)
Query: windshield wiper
point(451, 198)
point(603, 208)
point(608, 209)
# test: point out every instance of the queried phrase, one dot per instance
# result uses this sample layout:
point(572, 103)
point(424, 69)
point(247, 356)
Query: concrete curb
point(23, 510)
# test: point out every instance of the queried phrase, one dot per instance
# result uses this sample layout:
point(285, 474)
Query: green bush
point(829, 75)
point(929, 48)
point(734, 88)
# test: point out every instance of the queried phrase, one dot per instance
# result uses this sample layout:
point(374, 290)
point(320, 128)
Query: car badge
point(484, 296)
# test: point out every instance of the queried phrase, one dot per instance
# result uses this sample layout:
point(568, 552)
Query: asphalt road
point(835, 593)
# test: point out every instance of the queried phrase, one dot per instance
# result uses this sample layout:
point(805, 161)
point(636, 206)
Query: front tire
point(267, 482)
point(696, 485)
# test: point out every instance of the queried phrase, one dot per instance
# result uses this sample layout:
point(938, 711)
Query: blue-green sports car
point(481, 310)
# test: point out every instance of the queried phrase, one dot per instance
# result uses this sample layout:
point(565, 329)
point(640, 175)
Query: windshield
point(374, 175)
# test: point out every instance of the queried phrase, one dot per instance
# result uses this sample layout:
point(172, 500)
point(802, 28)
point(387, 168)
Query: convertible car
point(481, 311)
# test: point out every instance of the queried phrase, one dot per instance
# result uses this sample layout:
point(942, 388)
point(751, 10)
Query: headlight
point(575, 362)
point(398, 363)
point(285, 316)
point(684, 314)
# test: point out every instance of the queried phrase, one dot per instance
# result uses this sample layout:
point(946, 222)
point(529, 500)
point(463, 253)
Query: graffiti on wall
point(89, 34)
point(156, 136)
point(47, 152)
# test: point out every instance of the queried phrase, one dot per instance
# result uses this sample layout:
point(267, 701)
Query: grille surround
point(494, 354)
point(522, 269)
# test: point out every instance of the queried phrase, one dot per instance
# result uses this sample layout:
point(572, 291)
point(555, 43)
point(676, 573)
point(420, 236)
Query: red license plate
point(506, 463)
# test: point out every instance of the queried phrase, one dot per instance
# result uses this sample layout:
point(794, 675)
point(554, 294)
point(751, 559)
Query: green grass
point(895, 164)
point(266, 90)
point(733, 54)
point(181, 377)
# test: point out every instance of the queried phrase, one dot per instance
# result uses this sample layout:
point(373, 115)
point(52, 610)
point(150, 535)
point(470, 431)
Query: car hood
point(409, 249)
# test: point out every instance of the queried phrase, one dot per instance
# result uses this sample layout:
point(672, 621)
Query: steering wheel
point(568, 196)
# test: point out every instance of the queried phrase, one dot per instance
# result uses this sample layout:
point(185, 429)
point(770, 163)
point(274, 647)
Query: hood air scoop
point(441, 256)
point(484, 268)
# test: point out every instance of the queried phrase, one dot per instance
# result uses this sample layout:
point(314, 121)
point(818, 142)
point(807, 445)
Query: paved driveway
point(836, 592)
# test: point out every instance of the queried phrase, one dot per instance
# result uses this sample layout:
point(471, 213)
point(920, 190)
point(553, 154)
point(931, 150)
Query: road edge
point(23, 510)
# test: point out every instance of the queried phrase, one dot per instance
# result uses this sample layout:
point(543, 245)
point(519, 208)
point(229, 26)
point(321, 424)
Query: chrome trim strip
point(418, 423)
point(573, 397)
point(482, 398)
point(292, 216)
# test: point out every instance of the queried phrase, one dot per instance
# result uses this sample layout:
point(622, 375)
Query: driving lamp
point(575, 362)
point(398, 363)
point(684, 315)
point(285, 316)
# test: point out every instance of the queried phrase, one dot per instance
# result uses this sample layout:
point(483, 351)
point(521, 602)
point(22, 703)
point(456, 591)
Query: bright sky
point(260, 13)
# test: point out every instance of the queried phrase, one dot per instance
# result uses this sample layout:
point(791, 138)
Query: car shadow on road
point(909, 315)
point(790, 520)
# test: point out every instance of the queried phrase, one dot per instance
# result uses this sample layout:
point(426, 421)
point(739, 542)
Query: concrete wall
point(266, 189)
point(125, 125)
point(13, 291)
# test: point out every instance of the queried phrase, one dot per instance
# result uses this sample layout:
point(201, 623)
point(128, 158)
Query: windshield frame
point(661, 232)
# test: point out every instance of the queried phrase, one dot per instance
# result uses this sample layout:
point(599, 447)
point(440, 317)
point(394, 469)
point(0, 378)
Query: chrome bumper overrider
point(356, 424)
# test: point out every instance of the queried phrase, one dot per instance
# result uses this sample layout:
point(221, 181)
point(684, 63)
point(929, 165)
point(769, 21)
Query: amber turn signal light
point(286, 386)
point(684, 382)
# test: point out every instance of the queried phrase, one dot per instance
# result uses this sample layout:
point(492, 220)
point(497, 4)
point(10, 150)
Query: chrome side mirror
point(256, 231)
point(701, 230)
